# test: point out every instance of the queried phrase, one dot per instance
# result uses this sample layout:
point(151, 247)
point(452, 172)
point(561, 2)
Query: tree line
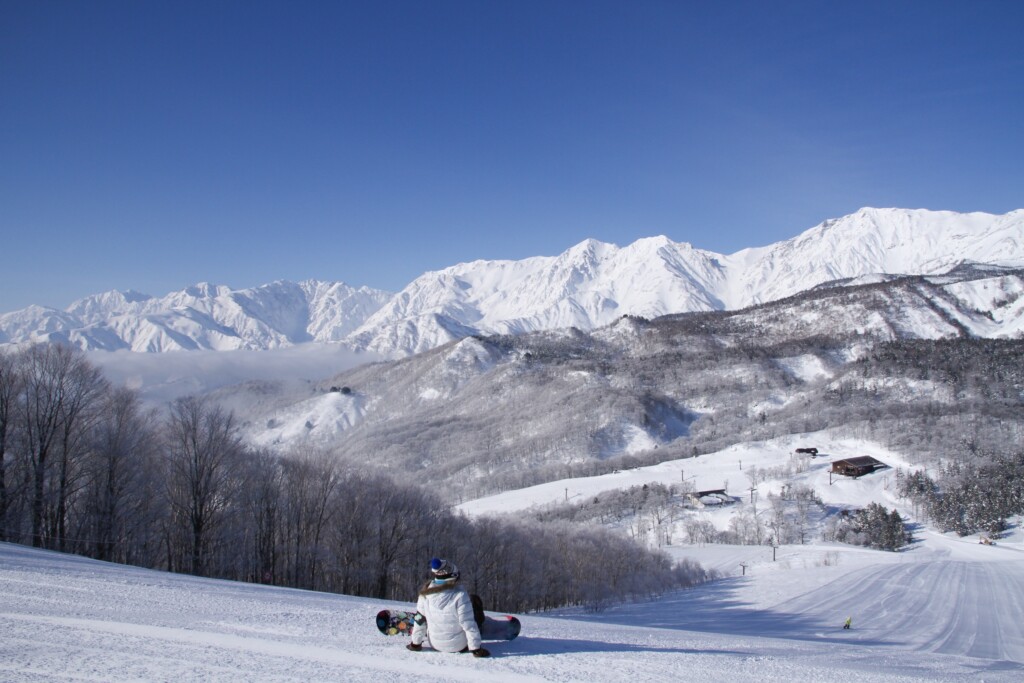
point(86, 468)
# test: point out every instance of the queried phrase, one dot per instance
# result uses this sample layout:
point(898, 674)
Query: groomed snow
point(945, 609)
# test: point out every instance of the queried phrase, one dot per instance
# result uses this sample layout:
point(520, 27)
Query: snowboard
point(396, 622)
point(505, 627)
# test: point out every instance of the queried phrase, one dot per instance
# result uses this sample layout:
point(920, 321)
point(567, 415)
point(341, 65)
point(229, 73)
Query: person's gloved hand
point(481, 652)
point(414, 647)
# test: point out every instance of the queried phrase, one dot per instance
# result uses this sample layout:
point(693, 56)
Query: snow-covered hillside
point(944, 609)
point(499, 406)
point(728, 469)
point(587, 286)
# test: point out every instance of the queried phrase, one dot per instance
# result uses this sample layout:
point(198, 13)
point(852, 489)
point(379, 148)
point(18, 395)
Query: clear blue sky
point(150, 145)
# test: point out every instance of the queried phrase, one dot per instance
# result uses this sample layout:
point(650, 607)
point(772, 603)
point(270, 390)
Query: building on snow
point(857, 467)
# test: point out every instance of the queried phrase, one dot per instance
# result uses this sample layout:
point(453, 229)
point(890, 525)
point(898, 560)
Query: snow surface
point(945, 609)
point(728, 469)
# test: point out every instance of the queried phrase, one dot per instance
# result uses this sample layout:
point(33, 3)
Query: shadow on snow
point(713, 608)
point(552, 646)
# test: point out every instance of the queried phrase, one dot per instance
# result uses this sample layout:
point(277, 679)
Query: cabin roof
point(860, 461)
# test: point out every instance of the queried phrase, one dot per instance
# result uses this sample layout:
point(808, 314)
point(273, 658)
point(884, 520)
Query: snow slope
point(729, 469)
point(946, 609)
point(919, 616)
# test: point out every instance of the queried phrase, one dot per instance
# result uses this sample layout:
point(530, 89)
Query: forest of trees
point(946, 400)
point(969, 496)
point(873, 527)
point(86, 468)
point(553, 406)
point(654, 514)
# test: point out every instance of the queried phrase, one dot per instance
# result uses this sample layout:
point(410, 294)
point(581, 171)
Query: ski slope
point(728, 469)
point(948, 609)
point(945, 609)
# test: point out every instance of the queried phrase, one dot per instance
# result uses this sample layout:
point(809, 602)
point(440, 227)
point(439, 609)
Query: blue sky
point(150, 145)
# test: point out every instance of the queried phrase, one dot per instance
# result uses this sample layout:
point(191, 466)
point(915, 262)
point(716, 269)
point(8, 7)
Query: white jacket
point(449, 626)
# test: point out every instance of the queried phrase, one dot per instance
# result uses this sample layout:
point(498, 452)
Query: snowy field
point(948, 609)
point(945, 609)
point(729, 469)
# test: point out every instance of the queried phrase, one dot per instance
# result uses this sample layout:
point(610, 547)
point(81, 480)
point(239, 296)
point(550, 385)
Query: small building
point(857, 467)
point(703, 499)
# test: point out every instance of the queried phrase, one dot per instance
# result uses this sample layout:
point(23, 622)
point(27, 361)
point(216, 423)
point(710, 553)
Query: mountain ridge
point(587, 286)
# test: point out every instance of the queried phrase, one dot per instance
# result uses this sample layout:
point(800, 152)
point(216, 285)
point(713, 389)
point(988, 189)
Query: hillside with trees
point(84, 468)
point(209, 485)
point(489, 414)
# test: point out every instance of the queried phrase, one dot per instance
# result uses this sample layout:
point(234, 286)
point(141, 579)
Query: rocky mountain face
point(587, 287)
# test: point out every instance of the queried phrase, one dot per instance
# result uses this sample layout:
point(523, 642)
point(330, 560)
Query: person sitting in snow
point(446, 619)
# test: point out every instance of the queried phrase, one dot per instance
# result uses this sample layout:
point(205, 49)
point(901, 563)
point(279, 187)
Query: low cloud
point(163, 377)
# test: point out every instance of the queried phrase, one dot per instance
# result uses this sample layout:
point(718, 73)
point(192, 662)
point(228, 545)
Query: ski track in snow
point(945, 610)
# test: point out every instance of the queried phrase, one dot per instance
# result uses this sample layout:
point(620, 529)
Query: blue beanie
point(443, 570)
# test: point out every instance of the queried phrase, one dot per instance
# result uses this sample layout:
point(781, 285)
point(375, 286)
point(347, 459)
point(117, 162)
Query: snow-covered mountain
point(588, 286)
point(594, 283)
point(203, 316)
point(493, 412)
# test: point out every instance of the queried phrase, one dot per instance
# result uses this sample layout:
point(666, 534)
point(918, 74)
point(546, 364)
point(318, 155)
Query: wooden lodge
point(857, 467)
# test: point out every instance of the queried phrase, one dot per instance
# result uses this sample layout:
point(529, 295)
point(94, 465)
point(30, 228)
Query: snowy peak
point(100, 306)
point(589, 285)
point(34, 322)
point(875, 241)
point(203, 316)
point(593, 283)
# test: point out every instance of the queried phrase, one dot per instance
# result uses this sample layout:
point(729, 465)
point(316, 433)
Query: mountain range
point(588, 286)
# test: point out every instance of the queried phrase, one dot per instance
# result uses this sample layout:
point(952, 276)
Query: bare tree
point(398, 515)
point(203, 453)
point(116, 494)
point(59, 384)
point(11, 385)
point(79, 411)
point(311, 481)
point(264, 501)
